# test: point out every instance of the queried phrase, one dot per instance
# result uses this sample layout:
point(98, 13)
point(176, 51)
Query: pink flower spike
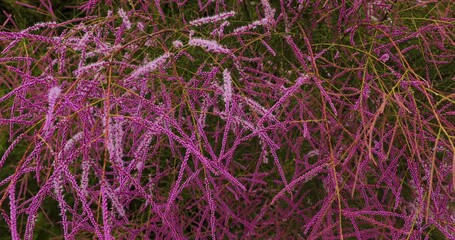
point(53, 95)
point(177, 44)
point(125, 18)
point(227, 86)
point(220, 30)
point(268, 11)
point(252, 25)
point(149, 67)
point(209, 45)
point(212, 19)
point(384, 58)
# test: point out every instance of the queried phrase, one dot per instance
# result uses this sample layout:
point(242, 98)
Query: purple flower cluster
point(287, 120)
point(212, 19)
point(209, 45)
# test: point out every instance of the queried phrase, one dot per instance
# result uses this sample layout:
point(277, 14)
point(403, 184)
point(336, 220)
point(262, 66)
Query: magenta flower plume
point(223, 119)
point(212, 19)
point(209, 45)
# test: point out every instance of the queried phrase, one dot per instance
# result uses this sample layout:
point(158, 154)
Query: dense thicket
point(225, 119)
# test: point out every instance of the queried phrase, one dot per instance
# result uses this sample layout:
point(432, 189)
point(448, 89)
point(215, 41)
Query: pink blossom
point(252, 25)
point(54, 93)
point(220, 30)
point(115, 142)
point(209, 45)
point(227, 86)
point(125, 18)
point(70, 143)
point(94, 66)
point(141, 26)
point(268, 11)
point(177, 44)
point(149, 67)
point(384, 58)
point(212, 19)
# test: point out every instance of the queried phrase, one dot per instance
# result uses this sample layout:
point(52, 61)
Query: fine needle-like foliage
point(230, 119)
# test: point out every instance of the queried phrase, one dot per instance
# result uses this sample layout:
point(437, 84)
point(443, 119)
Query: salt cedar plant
point(230, 119)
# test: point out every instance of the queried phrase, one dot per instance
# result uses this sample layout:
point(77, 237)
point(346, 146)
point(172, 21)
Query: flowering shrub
point(243, 119)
